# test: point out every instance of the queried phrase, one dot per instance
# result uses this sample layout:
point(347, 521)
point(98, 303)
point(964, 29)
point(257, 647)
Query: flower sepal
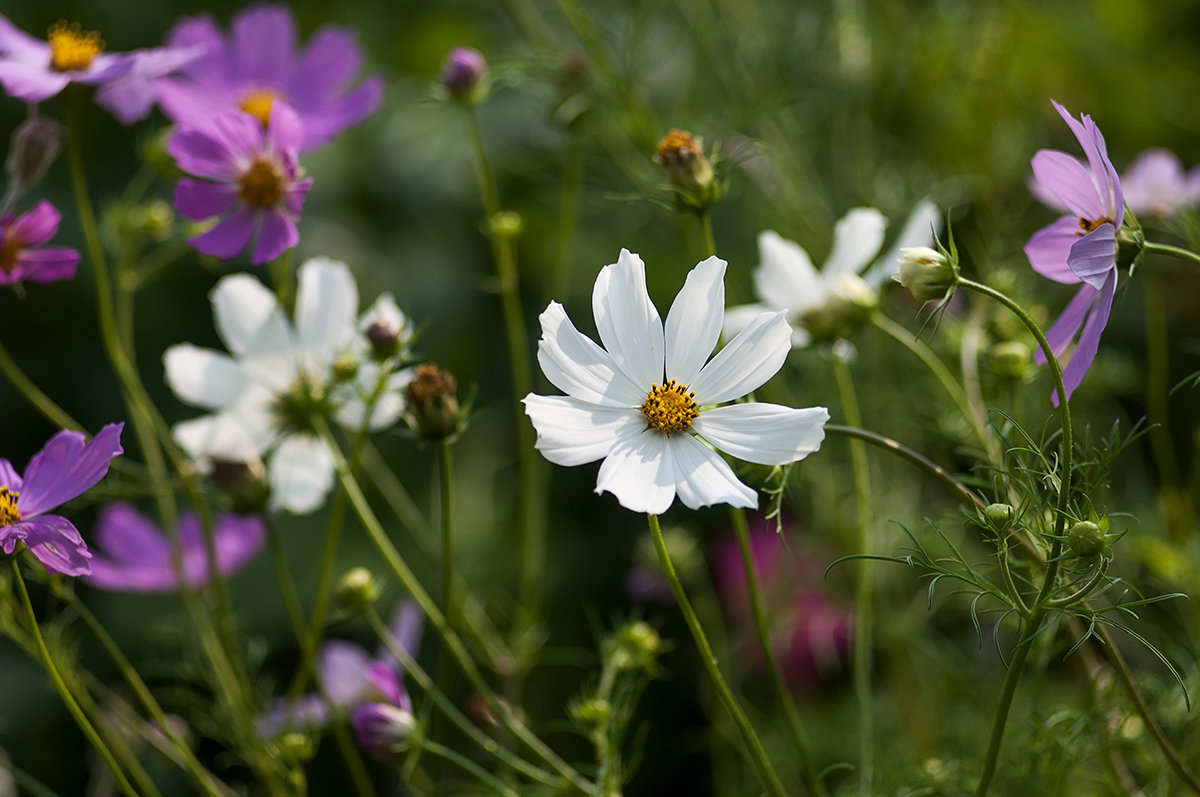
point(1131, 243)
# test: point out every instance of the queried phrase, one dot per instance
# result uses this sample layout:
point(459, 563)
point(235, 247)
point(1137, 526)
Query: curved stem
point(1174, 251)
point(33, 394)
point(468, 765)
point(758, 755)
point(61, 687)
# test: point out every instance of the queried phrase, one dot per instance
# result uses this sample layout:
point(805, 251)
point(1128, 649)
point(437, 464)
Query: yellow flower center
point(261, 185)
point(258, 103)
point(670, 408)
point(9, 514)
point(72, 50)
point(1087, 225)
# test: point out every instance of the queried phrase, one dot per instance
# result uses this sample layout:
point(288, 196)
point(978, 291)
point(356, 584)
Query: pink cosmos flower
point(136, 557)
point(1081, 247)
point(65, 468)
point(251, 181)
point(257, 66)
point(22, 256)
point(1156, 184)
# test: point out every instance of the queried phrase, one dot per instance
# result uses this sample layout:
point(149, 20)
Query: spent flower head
point(688, 170)
point(646, 403)
point(33, 147)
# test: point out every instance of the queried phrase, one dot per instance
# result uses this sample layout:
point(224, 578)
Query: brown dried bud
point(432, 402)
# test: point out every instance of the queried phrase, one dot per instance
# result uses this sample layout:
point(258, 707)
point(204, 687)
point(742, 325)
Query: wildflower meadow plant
point(873, 558)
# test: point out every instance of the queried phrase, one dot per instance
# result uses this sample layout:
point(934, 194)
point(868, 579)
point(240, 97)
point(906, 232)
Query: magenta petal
point(283, 130)
point(189, 104)
point(333, 116)
point(200, 153)
point(197, 200)
point(1089, 339)
point(57, 544)
point(277, 234)
point(342, 673)
point(1068, 179)
point(66, 467)
point(1049, 248)
point(387, 683)
point(8, 474)
point(329, 60)
point(305, 713)
point(1067, 325)
point(263, 40)
point(240, 133)
point(38, 225)
point(229, 237)
point(49, 264)
point(16, 42)
point(125, 534)
point(405, 626)
point(1094, 256)
point(31, 83)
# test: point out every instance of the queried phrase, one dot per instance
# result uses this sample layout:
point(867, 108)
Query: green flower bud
point(506, 224)
point(1086, 539)
point(927, 273)
point(595, 711)
point(295, 746)
point(345, 368)
point(999, 516)
point(356, 590)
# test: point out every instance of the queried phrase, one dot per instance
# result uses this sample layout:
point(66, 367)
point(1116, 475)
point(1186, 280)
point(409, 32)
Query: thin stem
point(708, 243)
point(33, 394)
point(61, 687)
point(445, 461)
point(568, 218)
point(795, 725)
point(1157, 366)
point(287, 585)
point(758, 755)
point(435, 616)
point(1175, 251)
point(430, 746)
point(863, 615)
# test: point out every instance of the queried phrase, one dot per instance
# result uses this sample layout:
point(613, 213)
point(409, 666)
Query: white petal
point(248, 318)
point(627, 320)
point(231, 435)
point(389, 404)
point(738, 318)
point(786, 279)
point(578, 367)
point(572, 432)
point(203, 377)
point(694, 321)
point(856, 240)
point(702, 478)
point(301, 474)
point(639, 472)
point(920, 229)
point(767, 434)
point(751, 358)
point(326, 304)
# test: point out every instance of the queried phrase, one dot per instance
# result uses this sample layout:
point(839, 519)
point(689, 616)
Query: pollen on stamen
point(258, 103)
point(9, 513)
point(71, 49)
point(670, 408)
point(1087, 225)
point(262, 184)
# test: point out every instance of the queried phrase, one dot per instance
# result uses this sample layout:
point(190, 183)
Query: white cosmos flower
point(643, 403)
point(274, 366)
point(787, 280)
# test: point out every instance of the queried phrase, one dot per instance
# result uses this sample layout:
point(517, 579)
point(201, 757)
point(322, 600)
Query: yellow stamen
point(72, 50)
point(9, 514)
point(1087, 225)
point(258, 103)
point(670, 408)
point(262, 185)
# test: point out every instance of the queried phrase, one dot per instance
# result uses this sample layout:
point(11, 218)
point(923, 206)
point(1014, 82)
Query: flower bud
point(242, 483)
point(356, 590)
point(345, 368)
point(999, 516)
point(594, 711)
point(506, 224)
point(463, 74)
point(295, 746)
point(637, 646)
point(847, 307)
point(33, 147)
point(1010, 359)
point(383, 730)
point(432, 403)
point(688, 169)
point(927, 273)
point(1086, 539)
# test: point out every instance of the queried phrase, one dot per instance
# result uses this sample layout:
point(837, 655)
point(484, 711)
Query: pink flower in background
point(1081, 247)
point(22, 256)
point(66, 467)
point(251, 183)
point(135, 556)
point(810, 631)
point(1156, 184)
point(258, 66)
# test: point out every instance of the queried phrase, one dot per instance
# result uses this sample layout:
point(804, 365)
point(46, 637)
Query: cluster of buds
point(689, 170)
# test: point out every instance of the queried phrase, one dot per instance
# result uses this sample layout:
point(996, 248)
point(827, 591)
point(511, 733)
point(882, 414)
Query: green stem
point(568, 218)
point(530, 518)
point(863, 591)
point(1157, 367)
point(1033, 625)
point(708, 243)
point(1174, 251)
point(758, 755)
point(33, 394)
point(287, 585)
point(61, 687)
point(446, 464)
point(468, 765)
point(435, 616)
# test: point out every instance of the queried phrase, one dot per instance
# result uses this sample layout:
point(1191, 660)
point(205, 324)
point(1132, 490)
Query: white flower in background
point(643, 403)
point(263, 395)
point(818, 303)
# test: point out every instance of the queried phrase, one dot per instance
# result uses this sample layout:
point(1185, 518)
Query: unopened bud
point(927, 273)
point(33, 147)
point(999, 516)
point(463, 74)
point(356, 590)
point(345, 368)
point(1010, 359)
point(847, 307)
point(1086, 539)
point(295, 746)
point(383, 730)
point(506, 224)
point(638, 646)
point(594, 711)
point(432, 403)
point(242, 483)
point(688, 169)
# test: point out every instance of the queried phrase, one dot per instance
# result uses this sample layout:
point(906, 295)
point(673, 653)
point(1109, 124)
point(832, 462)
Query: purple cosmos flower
point(350, 678)
point(1081, 247)
point(811, 632)
point(252, 182)
point(20, 257)
point(1156, 184)
point(65, 468)
point(258, 64)
point(136, 557)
